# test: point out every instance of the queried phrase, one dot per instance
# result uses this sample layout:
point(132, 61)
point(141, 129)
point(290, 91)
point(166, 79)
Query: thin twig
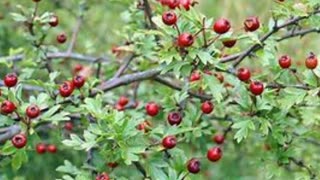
point(75, 34)
point(140, 168)
point(124, 66)
point(148, 12)
point(301, 164)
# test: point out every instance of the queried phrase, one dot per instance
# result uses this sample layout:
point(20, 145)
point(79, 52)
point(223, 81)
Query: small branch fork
point(302, 165)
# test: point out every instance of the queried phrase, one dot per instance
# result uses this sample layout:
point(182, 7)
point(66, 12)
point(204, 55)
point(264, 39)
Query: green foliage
point(270, 136)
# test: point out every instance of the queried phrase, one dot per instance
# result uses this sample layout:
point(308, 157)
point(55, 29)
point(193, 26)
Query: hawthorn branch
point(177, 87)
point(127, 79)
point(124, 66)
point(275, 29)
point(61, 55)
point(148, 12)
point(27, 87)
point(281, 86)
point(300, 33)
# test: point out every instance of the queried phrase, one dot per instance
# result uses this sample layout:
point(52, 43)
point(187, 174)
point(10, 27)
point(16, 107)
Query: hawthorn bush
point(154, 89)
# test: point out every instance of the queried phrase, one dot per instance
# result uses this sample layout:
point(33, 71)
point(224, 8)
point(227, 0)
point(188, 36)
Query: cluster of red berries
point(221, 26)
point(173, 4)
point(175, 118)
point(42, 148)
point(193, 165)
point(20, 140)
point(256, 87)
point(311, 61)
point(54, 21)
point(67, 88)
point(213, 154)
point(284, 61)
point(8, 107)
point(10, 80)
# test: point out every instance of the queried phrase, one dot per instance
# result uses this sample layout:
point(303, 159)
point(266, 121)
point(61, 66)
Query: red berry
point(141, 126)
point(195, 76)
point(7, 107)
point(214, 154)
point(185, 40)
point(207, 107)
point(219, 138)
point(164, 2)
point(77, 68)
point(193, 166)
point(68, 126)
point(19, 141)
point(52, 148)
point(221, 26)
point(251, 24)
point(66, 89)
point(173, 3)
point(152, 109)
point(169, 142)
point(10, 80)
point(169, 18)
point(186, 4)
point(123, 101)
point(33, 111)
point(112, 164)
point(62, 38)
point(174, 118)
point(144, 126)
point(54, 21)
point(244, 74)
point(103, 176)
point(311, 61)
point(78, 81)
point(229, 43)
point(118, 107)
point(285, 61)
point(41, 148)
point(256, 88)
point(36, 1)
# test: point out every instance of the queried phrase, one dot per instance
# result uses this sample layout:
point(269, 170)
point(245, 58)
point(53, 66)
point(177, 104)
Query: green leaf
point(68, 168)
point(156, 172)
point(215, 87)
point(205, 57)
point(18, 17)
point(94, 106)
point(75, 141)
point(50, 112)
point(8, 149)
point(18, 159)
point(243, 129)
point(265, 125)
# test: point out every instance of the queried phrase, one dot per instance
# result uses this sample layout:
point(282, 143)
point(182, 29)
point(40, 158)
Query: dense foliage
point(159, 89)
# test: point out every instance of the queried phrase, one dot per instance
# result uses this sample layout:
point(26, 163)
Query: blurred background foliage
point(100, 32)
